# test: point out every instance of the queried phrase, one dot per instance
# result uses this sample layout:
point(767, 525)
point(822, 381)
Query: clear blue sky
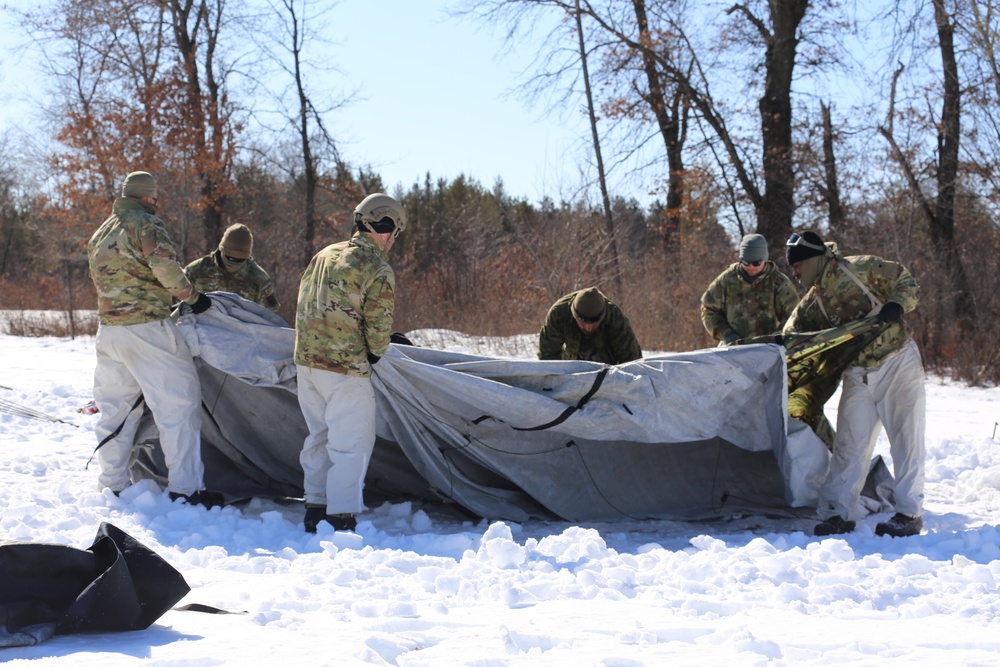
point(433, 97)
point(436, 99)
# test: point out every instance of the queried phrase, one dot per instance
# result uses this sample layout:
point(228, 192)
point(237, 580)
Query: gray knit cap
point(753, 248)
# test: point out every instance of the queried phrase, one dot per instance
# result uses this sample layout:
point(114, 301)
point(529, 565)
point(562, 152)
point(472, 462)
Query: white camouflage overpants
point(891, 395)
point(340, 413)
point(153, 360)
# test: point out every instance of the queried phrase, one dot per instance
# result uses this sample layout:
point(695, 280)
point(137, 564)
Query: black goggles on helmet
point(384, 226)
point(798, 240)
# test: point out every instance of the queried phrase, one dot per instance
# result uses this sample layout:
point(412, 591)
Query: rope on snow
point(17, 410)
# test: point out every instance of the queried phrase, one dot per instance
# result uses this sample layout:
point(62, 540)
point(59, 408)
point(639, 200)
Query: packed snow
point(423, 585)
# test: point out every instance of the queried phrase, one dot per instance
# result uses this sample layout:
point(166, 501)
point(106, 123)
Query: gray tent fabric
point(683, 436)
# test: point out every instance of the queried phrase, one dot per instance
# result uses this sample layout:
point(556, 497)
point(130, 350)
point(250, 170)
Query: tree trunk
point(308, 160)
point(942, 224)
point(774, 218)
point(831, 188)
point(205, 125)
point(609, 222)
point(669, 122)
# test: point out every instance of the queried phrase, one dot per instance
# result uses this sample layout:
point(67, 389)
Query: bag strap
point(113, 434)
point(875, 301)
point(570, 410)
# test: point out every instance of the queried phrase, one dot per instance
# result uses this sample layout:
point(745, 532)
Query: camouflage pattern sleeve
point(261, 286)
point(268, 298)
point(552, 336)
point(378, 308)
point(621, 341)
point(713, 308)
point(904, 289)
point(163, 262)
point(203, 274)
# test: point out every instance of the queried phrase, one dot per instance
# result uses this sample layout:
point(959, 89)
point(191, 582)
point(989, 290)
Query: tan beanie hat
point(588, 305)
point(237, 242)
point(139, 184)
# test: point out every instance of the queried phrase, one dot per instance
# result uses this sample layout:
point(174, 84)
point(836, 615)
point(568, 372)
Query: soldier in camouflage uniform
point(750, 298)
point(753, 298)
point(586, 325)
point(883, 385)
point(140, 354)
point(343, 323)
point(231, 268)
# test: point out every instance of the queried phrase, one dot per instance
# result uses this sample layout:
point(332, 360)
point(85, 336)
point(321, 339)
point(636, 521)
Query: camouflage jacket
point(250, 282)
point(836, 299)
point(613, 342)
point(345, 307)
point(758, 307)
point(134, 267)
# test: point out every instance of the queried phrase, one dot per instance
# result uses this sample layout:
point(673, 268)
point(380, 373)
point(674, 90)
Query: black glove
point(373, 358)
point(891, 313)
point(201, 305)
point(731, 338)
point(399, 339)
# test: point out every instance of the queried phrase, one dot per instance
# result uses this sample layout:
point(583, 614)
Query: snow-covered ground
point(419, 586)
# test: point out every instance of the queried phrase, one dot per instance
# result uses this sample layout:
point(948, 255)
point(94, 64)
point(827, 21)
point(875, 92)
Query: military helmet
point(380, 213)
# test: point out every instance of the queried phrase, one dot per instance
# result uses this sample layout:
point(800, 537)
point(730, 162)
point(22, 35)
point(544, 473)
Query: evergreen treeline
point(710, 99)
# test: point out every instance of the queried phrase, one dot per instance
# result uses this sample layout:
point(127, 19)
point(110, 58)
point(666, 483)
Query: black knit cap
point(801, 247)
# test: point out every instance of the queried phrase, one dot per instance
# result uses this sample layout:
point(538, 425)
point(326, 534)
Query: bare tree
point(318, 161)
point(609, 222)
point(830, 187)
point(940, 210)
point(777, 206)
point(206, 130)
point(778, 33)
point(669, 108)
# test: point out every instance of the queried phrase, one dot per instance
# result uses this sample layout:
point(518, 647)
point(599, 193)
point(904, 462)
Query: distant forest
point(731, 107)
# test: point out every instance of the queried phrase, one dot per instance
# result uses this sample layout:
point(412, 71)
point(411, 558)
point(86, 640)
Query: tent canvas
point(682, 436)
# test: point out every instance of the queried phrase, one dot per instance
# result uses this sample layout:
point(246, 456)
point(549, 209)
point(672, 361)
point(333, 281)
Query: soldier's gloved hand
point(201, 305)
point(731, 338)
point(399, 338)
point(891, 313)
point(373, 358)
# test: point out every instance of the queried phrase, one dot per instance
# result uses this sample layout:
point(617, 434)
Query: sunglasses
point(796, 239)
point(587, 320)
point(235, 260)
point(757, 263)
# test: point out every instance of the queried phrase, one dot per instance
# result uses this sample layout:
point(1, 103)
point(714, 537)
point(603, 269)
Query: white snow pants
point(340, 413)
point(892, 395)
point(153, 360)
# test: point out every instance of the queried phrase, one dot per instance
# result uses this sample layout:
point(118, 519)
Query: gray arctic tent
point(682, 436)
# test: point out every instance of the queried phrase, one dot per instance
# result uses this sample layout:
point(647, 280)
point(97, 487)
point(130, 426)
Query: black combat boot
point(207, 499)
point(900, 525)
point(833, 526)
